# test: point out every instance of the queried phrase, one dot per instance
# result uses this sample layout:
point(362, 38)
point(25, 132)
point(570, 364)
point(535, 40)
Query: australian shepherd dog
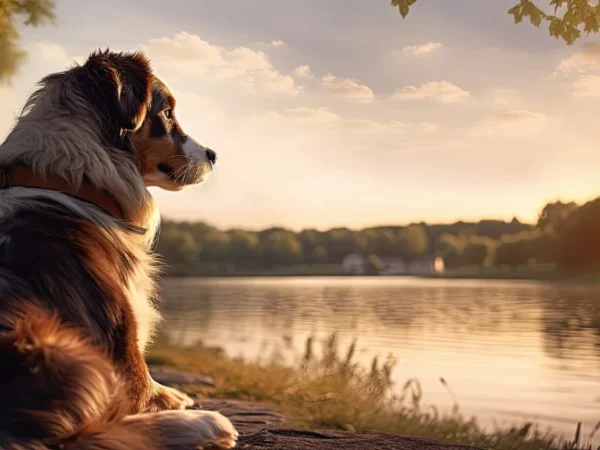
point(77, 273)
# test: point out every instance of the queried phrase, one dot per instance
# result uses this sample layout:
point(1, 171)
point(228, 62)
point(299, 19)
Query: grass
point(327, 389)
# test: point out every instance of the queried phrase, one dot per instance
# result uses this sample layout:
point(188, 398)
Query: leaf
point(404, 9)
point(556, 27)
point(517, 12)
point(403, 6)
point(591, 23)
point(515, 9)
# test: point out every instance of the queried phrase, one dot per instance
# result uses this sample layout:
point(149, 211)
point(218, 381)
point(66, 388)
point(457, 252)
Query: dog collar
point(26, 177)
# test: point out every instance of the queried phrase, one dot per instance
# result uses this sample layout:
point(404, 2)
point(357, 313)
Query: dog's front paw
point(166, 398)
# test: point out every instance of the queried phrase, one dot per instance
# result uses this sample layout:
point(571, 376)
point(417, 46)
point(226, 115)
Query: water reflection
point(510, 350)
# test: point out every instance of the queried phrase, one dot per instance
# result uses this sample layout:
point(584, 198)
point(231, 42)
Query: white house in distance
point(427, 265)
point(393, 266)
point(355, 264)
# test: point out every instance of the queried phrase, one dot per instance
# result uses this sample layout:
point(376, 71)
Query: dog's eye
point(168, 113)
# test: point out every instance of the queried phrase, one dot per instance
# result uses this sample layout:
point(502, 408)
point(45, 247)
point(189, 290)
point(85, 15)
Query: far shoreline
point(499, 275)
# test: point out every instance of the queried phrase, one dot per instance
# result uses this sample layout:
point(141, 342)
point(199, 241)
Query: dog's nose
point(212, 155)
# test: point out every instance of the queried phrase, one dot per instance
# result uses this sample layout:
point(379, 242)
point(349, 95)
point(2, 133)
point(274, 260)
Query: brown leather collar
point(26, 177)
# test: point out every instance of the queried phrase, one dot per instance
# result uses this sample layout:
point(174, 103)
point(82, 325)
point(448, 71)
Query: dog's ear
point(119, 85)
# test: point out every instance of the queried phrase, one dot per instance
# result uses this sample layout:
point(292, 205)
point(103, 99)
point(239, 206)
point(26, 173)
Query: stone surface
point(262, 427)
point(287, 439)
point(248, 417)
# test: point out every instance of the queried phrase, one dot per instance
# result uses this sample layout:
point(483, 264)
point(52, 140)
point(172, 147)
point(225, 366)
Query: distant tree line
point(566, 234)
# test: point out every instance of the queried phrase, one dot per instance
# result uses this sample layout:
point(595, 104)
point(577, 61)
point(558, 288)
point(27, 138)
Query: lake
point(511, 351)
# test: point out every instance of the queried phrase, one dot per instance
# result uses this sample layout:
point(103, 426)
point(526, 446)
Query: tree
point(554, 215)
point(580, 238)
point(479, 251)
point(374, 265)
point(280, 247)
point(569, 19)
point(177, 246)
point(522, 248)
point(30, 12)
point(415, 241)
point(244, 247)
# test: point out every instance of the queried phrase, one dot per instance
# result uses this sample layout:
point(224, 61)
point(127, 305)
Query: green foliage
point(30, 12)
point(567, 21)
point(374, 264)
point(280, 247)
point(451, 248)
point(554, 216)
point(414, 240)
point(198, 248)
point(403, 6)
point(178, 246)
point(526, 248)
point(466, 251)
point(565, 235)
point(579, 239)
point(479, 251)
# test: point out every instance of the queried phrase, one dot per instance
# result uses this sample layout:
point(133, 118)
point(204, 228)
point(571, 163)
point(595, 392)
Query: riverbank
point(332, 392)
point(334, 270)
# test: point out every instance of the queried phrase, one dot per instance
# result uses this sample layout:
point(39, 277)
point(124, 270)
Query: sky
point(339, 113)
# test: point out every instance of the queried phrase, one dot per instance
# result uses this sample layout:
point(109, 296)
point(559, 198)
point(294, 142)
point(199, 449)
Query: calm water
point(511, 351)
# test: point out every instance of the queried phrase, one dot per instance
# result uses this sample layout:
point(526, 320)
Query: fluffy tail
point(60, 391)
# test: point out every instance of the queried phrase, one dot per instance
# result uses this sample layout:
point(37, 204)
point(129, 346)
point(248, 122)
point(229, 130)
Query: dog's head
point(136, 111)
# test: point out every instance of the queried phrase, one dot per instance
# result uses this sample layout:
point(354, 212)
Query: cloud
point(50, 52)
point(587, 58)
point(423, 49)
point(325, 117)
point(190, 56)
point(274, 43)
point(441, 91)
point(501, 98)
point(302, 72)
point(586, 86)
point(11, 104)
point(510, 123)
point(426, 127)
point(370, 126)
point(415, 145)
point(273, 81)
point(191, 105)
point(312, 115)
point(347, 89)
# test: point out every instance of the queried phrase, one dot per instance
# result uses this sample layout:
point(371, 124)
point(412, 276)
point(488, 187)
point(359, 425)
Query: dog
point(78, 302)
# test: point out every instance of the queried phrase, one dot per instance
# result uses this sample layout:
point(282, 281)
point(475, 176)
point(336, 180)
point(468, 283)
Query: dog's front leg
point(146, 394)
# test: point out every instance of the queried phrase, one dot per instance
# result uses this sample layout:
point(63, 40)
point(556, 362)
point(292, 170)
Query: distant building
point(426, 265)
point(393, 266)
point(355, 264)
